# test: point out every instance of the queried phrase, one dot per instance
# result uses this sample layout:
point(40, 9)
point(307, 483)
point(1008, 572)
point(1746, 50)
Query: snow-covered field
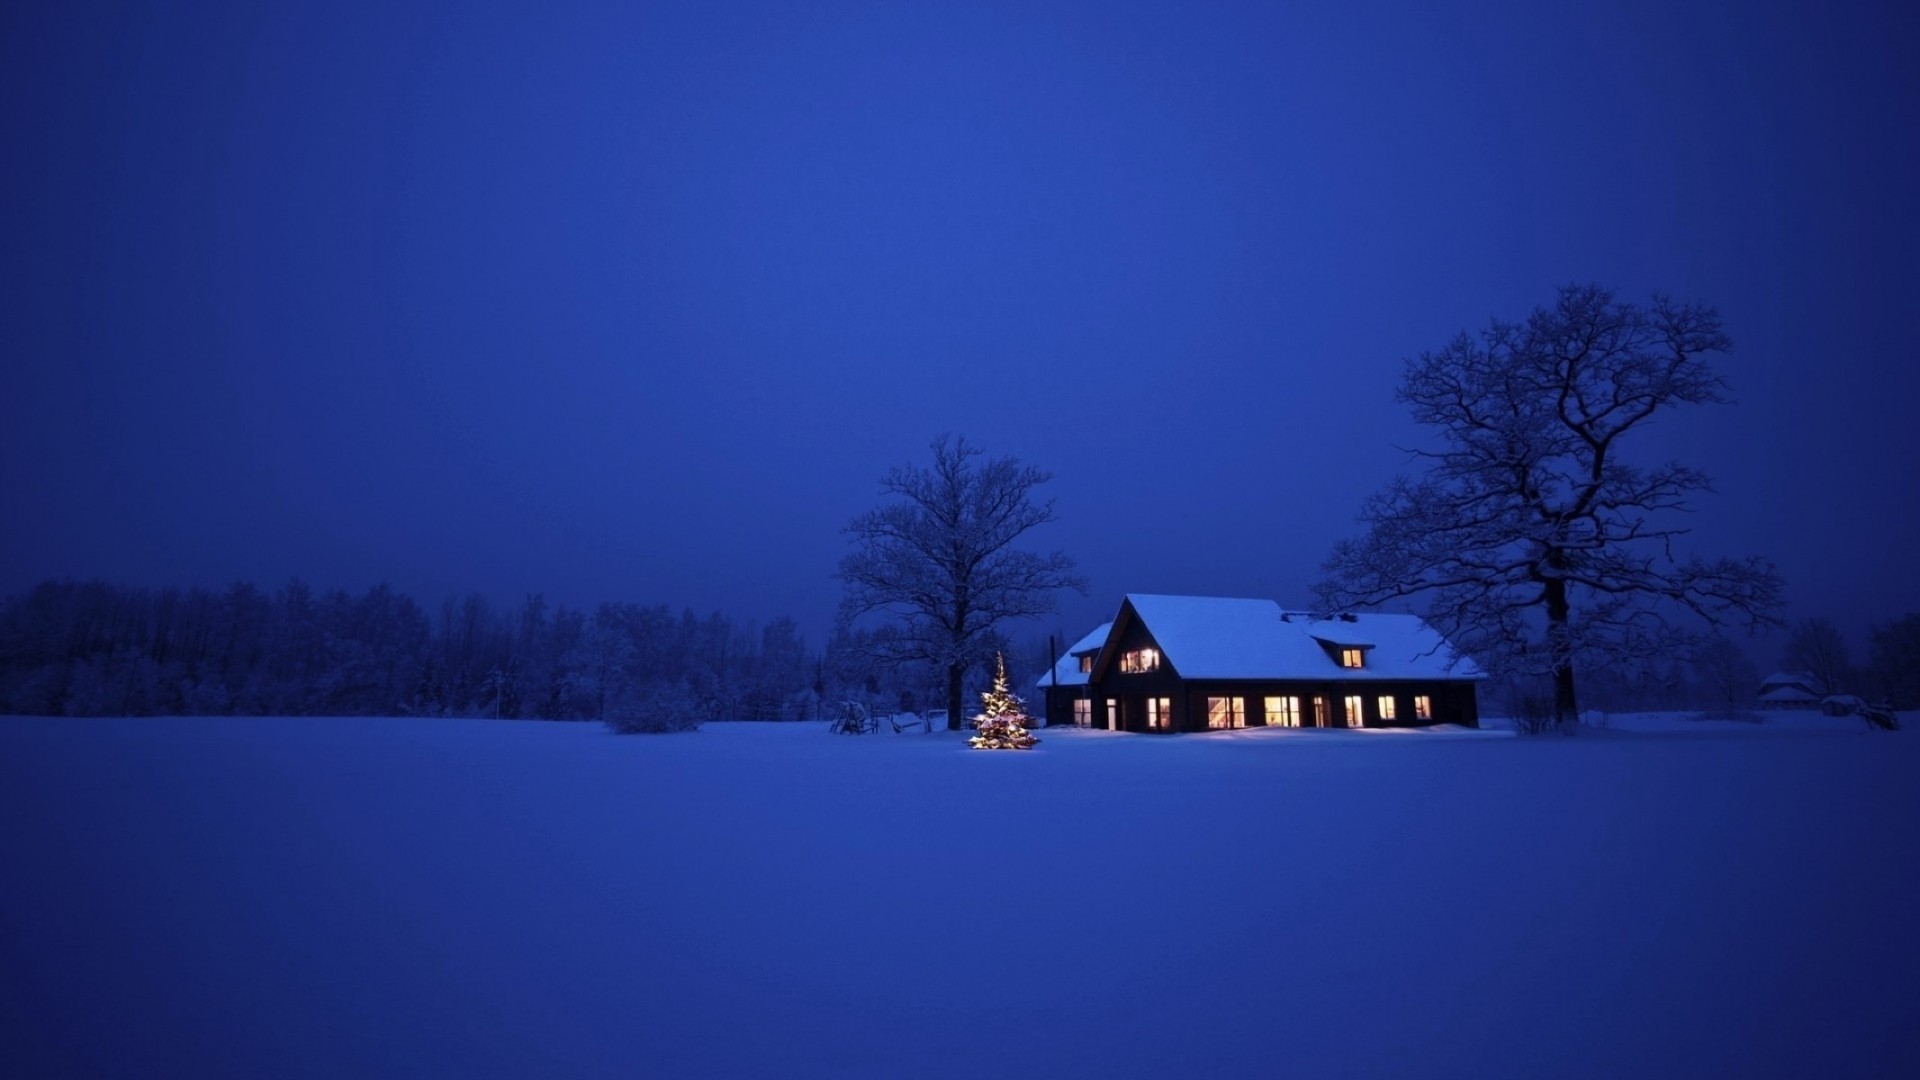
point(327, 898)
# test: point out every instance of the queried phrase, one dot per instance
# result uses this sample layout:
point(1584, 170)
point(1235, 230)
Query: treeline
point(98, 649)
point(1718, 675)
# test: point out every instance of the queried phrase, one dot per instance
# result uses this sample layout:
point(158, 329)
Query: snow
point(1067, 670)
point(1210, 637)
point(240, 897)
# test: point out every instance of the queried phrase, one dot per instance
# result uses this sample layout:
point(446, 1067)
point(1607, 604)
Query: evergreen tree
point(1003, 723)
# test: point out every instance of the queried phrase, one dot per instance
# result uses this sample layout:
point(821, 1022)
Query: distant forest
point(98, 649)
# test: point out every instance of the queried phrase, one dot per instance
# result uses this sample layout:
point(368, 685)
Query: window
point(1159, 714)
point(1386, 707)
point(1283, 712)
point(1086, 664)
point(1353, 658)
point(1319, 712)
point(1140, 660)
point(1083, 713)
point(1422, 707)
point(1356, 714)
point(1113, 714)
point(1226, 712)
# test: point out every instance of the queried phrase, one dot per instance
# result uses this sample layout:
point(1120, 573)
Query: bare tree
point(1894, 661)
point(1815, 647)
point(1728, 679)
point(940, 560)
point(1536, 543)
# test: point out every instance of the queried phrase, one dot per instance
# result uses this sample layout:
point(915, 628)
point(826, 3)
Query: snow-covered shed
point(1189, 663)
point(1790, 690)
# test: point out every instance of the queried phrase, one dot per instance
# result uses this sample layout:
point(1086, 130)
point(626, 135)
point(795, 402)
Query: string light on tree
point(1002, 725)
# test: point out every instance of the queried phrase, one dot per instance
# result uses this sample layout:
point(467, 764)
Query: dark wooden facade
point(1123, 701)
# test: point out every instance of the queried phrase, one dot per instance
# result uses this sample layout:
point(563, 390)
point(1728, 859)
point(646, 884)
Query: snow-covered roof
point(1783, 694)
point(1210, 637)
point(1796, 679)
point(1067, 671)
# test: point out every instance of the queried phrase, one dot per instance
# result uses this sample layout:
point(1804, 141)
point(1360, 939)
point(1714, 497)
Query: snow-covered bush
point(1880, 716)
point(653, 709)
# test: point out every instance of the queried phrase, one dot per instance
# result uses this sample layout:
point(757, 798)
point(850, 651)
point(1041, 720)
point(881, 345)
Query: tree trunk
point(1566, 709)
point(955, 673)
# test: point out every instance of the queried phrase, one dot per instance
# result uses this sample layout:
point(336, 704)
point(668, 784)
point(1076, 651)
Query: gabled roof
point(1067, 671)
point(1799, 680)
point(1210, 637)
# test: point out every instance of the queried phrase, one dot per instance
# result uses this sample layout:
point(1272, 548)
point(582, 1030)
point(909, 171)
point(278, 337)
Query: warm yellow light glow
point(1140, 660)
point(1283, 712)
point(1353, 658)
point(1422, 707)
point(1159, 713)
point(1356, 712)
point(1386, 707)
point(1226, 712)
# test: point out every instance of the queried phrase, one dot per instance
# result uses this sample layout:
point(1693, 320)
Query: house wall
point(1453, 702)
point(1059, 703)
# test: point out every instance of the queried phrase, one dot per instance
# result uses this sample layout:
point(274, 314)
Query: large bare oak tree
point(939, 558)
point(1536, 542)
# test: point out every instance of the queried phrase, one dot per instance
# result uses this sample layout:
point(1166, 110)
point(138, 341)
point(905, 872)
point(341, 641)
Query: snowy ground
point(247, 898)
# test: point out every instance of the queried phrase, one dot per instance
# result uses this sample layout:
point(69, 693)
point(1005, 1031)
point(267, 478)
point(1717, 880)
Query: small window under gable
point(1086, 664)
point(1349, 654)
point(1140, 660)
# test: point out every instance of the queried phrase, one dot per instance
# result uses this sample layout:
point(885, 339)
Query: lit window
point(1386, 707)
point(1159, 714)
point(1352, 658)
point(1226, 712)
point(1283, 712)
point(1140, 660)
point(1083, 713)
point(1356, 712)
point(1086, 664)
point(1319, 712)
point(1113, 714)
point(1422, 707)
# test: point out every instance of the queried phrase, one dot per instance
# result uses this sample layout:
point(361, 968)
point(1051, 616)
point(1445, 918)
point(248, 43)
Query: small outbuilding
point(1200, 663)
point(1790, 690)
point(1841, 705)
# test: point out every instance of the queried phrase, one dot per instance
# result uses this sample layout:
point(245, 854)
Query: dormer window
point(1140, 660)
point(1086, 664)
point(1353, 658)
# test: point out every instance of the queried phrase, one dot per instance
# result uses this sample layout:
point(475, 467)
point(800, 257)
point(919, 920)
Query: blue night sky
point(628, 302)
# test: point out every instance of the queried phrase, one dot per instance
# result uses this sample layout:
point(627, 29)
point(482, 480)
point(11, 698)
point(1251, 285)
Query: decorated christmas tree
point(1002, 726)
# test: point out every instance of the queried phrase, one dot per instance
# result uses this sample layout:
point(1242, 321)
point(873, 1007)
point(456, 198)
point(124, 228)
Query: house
point(1791, 690)
point(1194, 663)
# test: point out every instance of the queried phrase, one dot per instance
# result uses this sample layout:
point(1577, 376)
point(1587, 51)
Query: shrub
point(1533, 714)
